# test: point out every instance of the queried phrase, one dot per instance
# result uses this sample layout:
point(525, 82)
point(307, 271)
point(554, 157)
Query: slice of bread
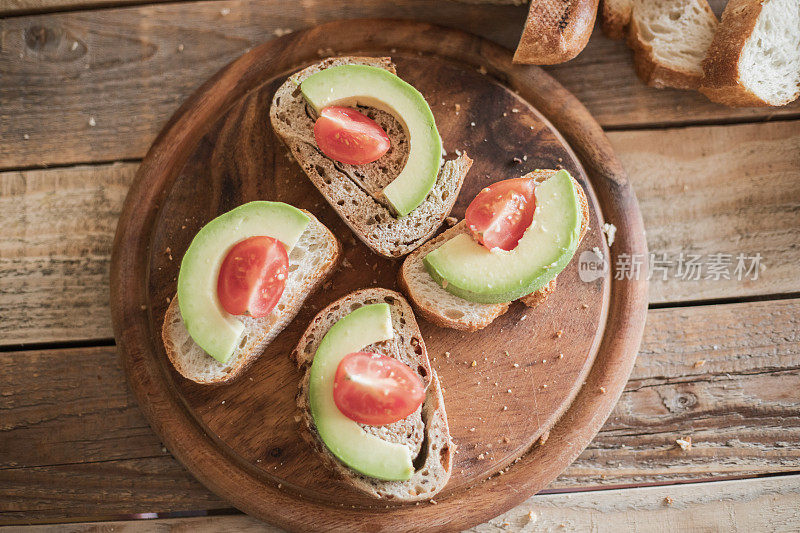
point(555, 31)
point(754, 59)
point(450, 311)
point(615, 15)
point(669, 39)
point(425, 432)
point(311, 260)
point(354, 191)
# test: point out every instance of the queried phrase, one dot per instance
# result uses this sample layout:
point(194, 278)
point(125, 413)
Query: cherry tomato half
point(376, 389)
point(349, 136)
point(252, 276)
point(501, 213)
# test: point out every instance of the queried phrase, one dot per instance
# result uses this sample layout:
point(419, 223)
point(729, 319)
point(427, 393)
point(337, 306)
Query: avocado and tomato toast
point(370, 402)
point(368, 141)
point(243, 278)
point(518, 235)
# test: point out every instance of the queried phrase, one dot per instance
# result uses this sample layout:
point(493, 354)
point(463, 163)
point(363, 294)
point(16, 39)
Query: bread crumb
point(543, 438)
point(472, 124)
point(517, 160)
point(143, 307)
point(544, 360)
point(505, 408)
point(451, 221)
point(544, 385)
point(434, 502)
point(602, 390)
point(472, 430)
point(225, 12)
point(481, 457)
point(447, 354)
point(92, 122)
point(505, 114)
point(514, 110)
point(458, 108)
point(523, 317)
point(700, 363)
point(509, 391)
point(610, 231)
point(561, 356)
point(668, 500)
point(506, 440)
point(585, 306)
point(482, 70)
point(685, 443)
point(532, 517)
point(559, 333)
point(168, 299)
point(180, 47)
point(516, 365)
point(473, 363)
point(26, 136)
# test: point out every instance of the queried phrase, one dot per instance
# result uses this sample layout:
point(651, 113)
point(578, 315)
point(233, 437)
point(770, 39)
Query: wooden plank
point(770, 504)
point(742, 195)
point(58, 226)
point(711, 190)
point(72, 436)
point(63, 71)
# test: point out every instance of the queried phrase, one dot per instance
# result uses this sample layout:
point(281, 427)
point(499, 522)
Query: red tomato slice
point(501, 213)
point(252, 276)
point(349, 136)
point(376, 389)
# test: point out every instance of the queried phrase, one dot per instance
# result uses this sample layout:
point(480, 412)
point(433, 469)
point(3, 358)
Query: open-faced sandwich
point(368, 141)
point(370, 403)
point(242, 280)
point(517, 236)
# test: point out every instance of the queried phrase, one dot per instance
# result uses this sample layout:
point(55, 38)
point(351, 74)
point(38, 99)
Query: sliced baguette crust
point(615, 15)
point(310, 262)
point(555, 31)
point(655, 72)
point(722, 68)
point(354, 191)
point(430, 436)
point(447, 310)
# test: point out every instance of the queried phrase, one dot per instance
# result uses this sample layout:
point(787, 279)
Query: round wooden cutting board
point(524, 396)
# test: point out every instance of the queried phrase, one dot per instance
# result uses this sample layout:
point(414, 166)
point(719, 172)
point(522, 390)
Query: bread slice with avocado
point(393, 204)
point(311, 259)
point(446, 309)
point(408, 460)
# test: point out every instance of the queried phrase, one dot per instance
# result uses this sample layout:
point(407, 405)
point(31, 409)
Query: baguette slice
point(669, 39)
point(450, 311)
point(754, 59)
point(425, 432)
point(555, 31)
point(615, 15)
point(311, 260)
point(354, 191)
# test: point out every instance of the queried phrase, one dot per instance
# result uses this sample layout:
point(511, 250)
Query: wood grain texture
point(205, 147)
point(742, 192)
point(739, 406)
point(61, 70)
point(740, 505)
point(729, 190)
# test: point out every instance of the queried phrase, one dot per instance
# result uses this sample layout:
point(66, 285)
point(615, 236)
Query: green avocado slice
point(467, 269)
point(356, 448)
point(215, 330)
point(349, 85)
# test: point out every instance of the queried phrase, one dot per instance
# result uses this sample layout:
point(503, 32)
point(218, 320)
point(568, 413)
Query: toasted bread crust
point(438, 458)
point(615, 16)
point(555, 31)
point(243, 361)
point(490, 311)
point(720, 81)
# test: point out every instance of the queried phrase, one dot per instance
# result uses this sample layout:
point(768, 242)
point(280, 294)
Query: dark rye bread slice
point(355, 191)
point(310, 262)
point(425, 432)
point(450, 311)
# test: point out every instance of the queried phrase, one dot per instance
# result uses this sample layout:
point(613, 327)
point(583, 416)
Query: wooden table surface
point(85, 85)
